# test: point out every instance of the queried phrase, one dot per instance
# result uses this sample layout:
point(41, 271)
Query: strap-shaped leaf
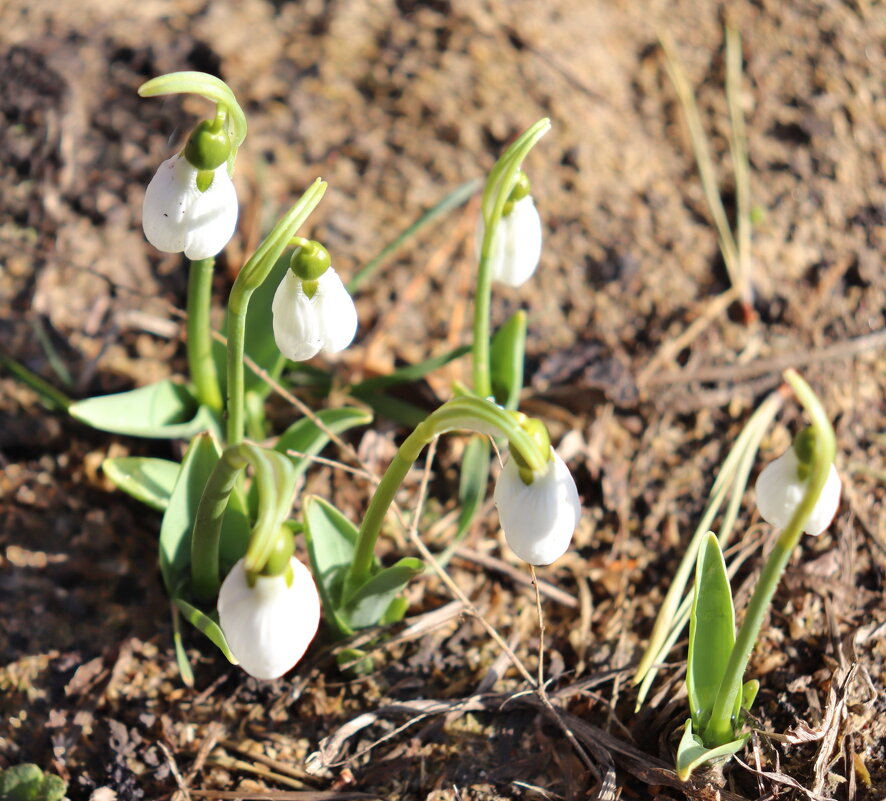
point(178, 520)
point(304, 436)
point(204, 623)
point(158, 411)
point(506, 357)
point(692, 752)
point(472, 484)
point(330, 537)
point(145, 478)
point(711, 630)
point(370, 602)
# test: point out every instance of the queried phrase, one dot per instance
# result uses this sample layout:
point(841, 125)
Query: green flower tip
point(309, 260)
point(209, 145)
point(540, 438)
point(279, 561)
point(521, 189)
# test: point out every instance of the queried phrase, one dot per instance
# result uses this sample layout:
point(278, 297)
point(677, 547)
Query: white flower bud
point(270, 625)
point(780, 490)
point(177, 216)
point(304, 326)
point(517, 247)
point(538, 518)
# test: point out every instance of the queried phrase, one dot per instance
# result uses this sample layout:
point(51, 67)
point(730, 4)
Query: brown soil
point(396, 104)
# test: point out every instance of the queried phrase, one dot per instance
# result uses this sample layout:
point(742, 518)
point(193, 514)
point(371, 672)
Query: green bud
point(804, 448)
point(521, 189)
point(539, 435)
point(284, 547)
point(309, 261)
point(209, 145)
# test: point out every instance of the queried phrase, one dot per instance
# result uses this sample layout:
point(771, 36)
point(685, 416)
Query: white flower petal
point(176, 216)
point(538, 519)
point(303, 326)
point(296, 324)
point(337, 312)
point(779, 492)
point(269, 626)
point(517, 248)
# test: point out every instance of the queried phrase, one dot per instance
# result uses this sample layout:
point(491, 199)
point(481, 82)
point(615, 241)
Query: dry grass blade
point(707, 173)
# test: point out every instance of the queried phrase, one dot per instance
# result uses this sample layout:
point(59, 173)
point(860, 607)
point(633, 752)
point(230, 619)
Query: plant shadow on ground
point(395, 105)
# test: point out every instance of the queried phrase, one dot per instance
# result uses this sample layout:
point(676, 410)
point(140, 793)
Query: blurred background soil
point(396, 103)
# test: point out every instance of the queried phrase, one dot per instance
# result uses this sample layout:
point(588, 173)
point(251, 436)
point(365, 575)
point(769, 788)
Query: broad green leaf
point(26, 782)
point(692, 752)
point(178, 520)
point(506, 356)
point(145, 478)
point(235, 531)
point(305, 437)
point(368, 605)
point(711, 630)
point(395, 611)
point(203, 622)
point(330, 538)
point(159, 411)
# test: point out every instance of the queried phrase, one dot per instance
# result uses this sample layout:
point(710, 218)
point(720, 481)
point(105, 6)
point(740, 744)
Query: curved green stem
point(720, 727)
point(254, 272)
point(275, 480)
point(200, 362)
point(473, 414)
point(499, 185)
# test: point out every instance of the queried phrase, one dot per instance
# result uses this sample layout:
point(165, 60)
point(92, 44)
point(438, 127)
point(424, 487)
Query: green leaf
point(27, 782)
point(368, 605)
point(408, 373)
point(160, 411)
point(204, 623)
point(330, 538)
point(400, 411)
point(453, 200)
point(692, 752)
point(235, 531)
point(749, 692)
point(181, 656)
point(306, 437)
point(145, 478)
point(506, 355)
point(711, 630)
point(178, 520)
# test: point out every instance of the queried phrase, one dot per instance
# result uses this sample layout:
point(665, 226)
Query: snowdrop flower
point(191, 204)
point(538, 518)
point(312, 309)
point(517, 247)
point(269, 625)
point(780, 489)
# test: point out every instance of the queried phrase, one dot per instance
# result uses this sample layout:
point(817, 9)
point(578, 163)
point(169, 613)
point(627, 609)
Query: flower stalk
point(502, 179)
point(720, 727)
point(254, 272)
point(199, 335)
point(466, 413)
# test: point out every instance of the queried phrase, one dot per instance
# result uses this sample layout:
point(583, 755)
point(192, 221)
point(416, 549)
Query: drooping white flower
point(517, 247)
point(780, 490)
point(177, 216)
point(303, 326)
point(538, 518)
point(270, 625)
